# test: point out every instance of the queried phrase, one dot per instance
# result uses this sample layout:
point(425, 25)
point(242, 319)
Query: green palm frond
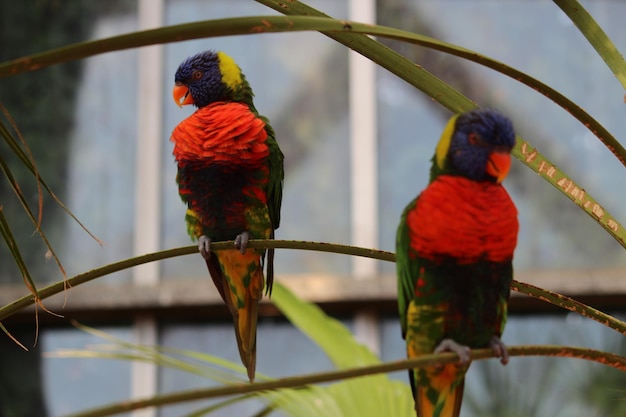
point(600, 41)
point(373, 395)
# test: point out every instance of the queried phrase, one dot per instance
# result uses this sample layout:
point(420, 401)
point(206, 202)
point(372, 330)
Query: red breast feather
point(466, 220)
point(227, 132)
point(223, 170)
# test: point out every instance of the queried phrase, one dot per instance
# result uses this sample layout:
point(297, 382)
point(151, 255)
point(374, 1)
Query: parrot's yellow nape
point(231, 74)
point(444, 141)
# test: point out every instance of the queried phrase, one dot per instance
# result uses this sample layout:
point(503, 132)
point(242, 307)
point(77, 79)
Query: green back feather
point(277, 174)
point(407, 268)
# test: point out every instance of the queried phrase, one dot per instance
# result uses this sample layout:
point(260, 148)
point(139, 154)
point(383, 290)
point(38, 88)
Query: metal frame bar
point(364, 169)
point(147, 234)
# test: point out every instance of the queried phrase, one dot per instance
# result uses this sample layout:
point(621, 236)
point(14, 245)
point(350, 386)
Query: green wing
point(277, 175)
point(407, 267)
point(274, 195)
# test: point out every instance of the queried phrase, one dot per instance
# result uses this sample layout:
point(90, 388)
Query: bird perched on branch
point(454, 249)
point(230, 175)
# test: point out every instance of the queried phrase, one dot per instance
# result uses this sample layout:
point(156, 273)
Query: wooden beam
point(185, 298)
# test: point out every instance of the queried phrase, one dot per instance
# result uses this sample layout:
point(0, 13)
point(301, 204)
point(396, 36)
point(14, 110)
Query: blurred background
point(357, 142)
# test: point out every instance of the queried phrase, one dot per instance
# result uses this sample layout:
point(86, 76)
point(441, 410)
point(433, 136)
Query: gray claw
point(449, 345)
point(499, 349)
point(241, 241)
point(204, 246)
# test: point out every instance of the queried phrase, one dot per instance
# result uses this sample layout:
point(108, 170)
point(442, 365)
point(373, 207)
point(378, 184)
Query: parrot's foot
point(241, 241)
point(204, 246)
point(499, 349)
point(449, 345)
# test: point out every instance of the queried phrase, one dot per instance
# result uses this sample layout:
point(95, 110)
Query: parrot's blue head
point(477, 145)
point(209, 77)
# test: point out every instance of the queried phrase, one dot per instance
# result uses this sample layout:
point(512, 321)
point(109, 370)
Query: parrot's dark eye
point(474, 140)
point(197, 74)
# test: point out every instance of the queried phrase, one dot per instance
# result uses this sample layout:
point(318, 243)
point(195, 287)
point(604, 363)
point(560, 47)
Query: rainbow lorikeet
point(230, 175)
point(454, 249)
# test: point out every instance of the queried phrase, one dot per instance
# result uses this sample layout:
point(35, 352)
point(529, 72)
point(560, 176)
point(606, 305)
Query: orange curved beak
point(181, 95)
point(498, 165)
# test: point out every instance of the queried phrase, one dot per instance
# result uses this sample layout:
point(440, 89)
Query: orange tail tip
point(243, 283)
point(443, 395)
point(245, 332)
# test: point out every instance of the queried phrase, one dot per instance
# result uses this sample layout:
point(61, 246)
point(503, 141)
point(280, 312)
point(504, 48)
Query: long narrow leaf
point(7, 235)
point(455, 101)
point(4, 167)
point(311, 401)
point(10, 336)
point(333, 28)
point(570, 304)
point(371, 396)
point(163, 356)
point(534, 160)
point(55, 288)
point(82, 278)
point(596, 37)
point(604, 358)
point(218, 406)
point(29, 156)
point(29, 163)
point(523, 150)
point(224, 27)
point(304, 402)
point(353, 35)
point(327, 333)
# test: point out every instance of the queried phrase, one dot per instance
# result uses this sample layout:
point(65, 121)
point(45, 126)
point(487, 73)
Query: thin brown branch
point(605, 358)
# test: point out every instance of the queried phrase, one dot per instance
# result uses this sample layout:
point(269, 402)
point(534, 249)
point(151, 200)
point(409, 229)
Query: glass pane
point(300, 84)
point(538, 386)
point(72, 385)
point(79, 121)
point(102, 154)
point(277, 344)
point(554, 233)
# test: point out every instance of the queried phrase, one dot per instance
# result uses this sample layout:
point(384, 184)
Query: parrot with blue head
point(230, 176)
point(454, 253)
